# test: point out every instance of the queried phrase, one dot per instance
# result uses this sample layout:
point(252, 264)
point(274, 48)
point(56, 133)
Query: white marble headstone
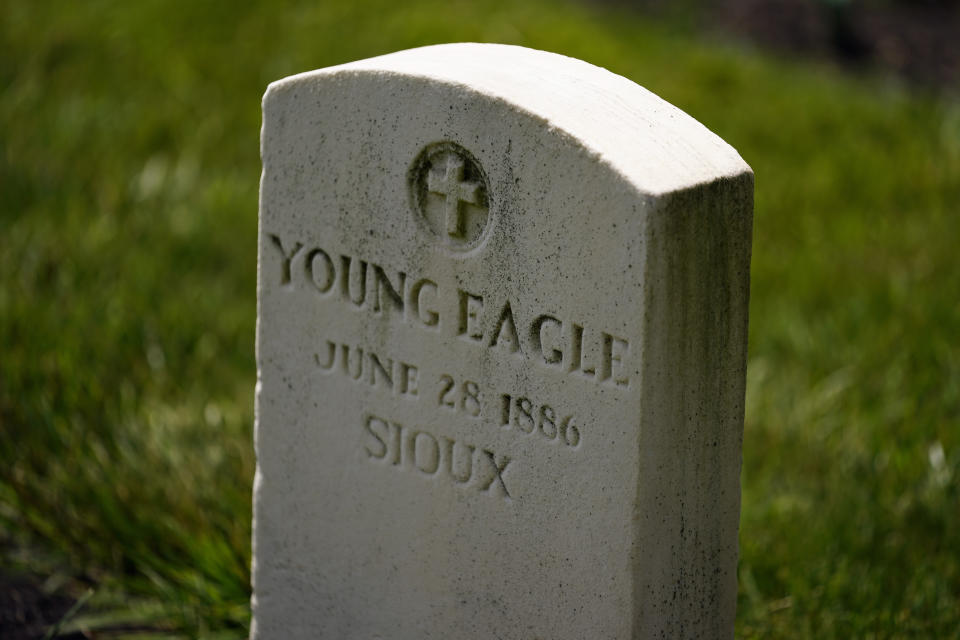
point(501, 353)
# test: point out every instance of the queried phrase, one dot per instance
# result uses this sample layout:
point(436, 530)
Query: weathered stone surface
point(501, 350)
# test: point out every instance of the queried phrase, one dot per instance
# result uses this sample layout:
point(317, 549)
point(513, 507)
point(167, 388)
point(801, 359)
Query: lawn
point(128, 216)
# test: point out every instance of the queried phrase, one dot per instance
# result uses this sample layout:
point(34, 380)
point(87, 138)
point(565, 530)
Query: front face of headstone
point(453, 298)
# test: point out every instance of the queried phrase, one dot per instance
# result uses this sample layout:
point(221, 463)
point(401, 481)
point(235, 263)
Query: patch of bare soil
point(918, 40)
point(27, 611)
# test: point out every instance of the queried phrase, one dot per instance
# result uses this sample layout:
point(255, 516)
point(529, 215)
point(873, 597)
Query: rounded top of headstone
point(655, 145)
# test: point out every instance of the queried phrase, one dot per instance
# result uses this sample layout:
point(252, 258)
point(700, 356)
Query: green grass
point(128, 189)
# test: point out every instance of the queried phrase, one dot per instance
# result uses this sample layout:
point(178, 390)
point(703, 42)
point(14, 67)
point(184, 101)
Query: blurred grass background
point(128, 203)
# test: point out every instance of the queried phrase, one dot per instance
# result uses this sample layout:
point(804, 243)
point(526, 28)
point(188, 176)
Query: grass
point(128, 175)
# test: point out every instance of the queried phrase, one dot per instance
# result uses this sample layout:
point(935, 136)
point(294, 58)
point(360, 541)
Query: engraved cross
point(455, 190)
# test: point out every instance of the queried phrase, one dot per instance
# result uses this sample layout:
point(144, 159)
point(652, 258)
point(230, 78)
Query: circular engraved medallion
point(450, 196)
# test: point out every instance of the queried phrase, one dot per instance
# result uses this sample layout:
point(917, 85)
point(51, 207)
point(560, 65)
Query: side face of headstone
point(501, 354)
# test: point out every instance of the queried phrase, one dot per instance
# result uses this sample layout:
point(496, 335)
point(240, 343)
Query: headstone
point(501, 354)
